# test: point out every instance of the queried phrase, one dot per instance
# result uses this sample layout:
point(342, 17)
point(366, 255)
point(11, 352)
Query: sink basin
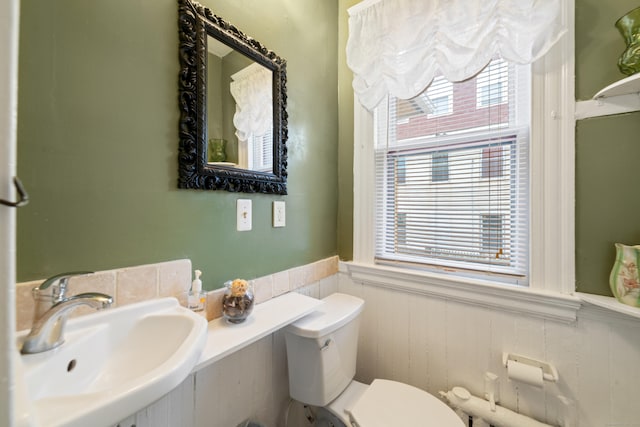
point(112, 364)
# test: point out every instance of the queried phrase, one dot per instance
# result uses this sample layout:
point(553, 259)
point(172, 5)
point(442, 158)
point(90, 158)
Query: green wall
point(215, 112)
point(98, 138)
point(345, 145)
point(607, 150)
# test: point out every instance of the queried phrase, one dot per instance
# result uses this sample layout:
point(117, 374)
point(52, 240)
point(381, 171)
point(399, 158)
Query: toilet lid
point(390, 403)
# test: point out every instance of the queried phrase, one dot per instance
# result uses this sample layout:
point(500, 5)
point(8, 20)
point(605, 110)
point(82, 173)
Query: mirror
point(232, 98)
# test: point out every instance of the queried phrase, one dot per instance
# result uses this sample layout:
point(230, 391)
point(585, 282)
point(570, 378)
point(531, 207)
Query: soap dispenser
point(196, 298)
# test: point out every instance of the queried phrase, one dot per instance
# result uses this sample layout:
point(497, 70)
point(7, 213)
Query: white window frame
point(552, 195)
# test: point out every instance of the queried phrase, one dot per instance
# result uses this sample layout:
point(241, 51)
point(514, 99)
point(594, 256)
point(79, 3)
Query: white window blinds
point(452, 174)
point(261, 152)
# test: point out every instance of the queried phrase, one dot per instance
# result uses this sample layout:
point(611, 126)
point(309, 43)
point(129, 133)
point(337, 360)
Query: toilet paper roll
point(527, 374)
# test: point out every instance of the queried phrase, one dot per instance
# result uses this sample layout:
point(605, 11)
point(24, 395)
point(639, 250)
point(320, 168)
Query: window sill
point(544, 304)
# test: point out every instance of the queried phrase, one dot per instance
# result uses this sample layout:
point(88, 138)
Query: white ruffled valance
point(251, 88)
point(397, 46)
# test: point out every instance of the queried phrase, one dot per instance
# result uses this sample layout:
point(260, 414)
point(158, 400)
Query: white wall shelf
point(619, 97)
point(224, 338)
point(610, 304)
point(625, 86)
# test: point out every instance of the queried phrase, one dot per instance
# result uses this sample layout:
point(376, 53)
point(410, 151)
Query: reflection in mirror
point(239, 110)
point(251, 90)
point(233, 124)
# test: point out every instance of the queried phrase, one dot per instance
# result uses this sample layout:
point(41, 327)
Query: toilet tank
point(322, 349)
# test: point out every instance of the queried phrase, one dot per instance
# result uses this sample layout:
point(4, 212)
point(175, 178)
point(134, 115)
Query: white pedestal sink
point(112, 364)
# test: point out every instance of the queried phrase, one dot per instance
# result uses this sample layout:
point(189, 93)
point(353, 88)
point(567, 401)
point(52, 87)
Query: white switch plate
point(279, 214)
point(244, 214)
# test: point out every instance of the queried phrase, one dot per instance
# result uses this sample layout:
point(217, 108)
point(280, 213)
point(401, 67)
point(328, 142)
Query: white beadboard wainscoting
point(435, 344)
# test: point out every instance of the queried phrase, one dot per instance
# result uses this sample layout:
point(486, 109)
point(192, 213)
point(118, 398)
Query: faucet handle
point(57, 283)
point(52, 290)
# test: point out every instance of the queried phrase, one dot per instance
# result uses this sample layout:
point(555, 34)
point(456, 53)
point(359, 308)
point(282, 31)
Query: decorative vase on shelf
point(624, 279)
point(629, 27)
point(217, 150)
point(238, 299)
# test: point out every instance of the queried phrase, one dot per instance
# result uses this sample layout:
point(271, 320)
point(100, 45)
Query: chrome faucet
point(52, 309)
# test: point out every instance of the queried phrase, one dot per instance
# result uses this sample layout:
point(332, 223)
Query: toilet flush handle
point(326, 344)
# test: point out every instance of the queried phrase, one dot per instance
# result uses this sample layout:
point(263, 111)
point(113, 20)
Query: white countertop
point(224, 338)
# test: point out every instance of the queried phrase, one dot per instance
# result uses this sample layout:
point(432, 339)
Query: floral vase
point(624, 280)
point(217, 150)
point(629, 27)
point(237, 302)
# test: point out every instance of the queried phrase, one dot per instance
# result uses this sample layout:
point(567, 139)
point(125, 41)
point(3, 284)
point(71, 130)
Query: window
point(492, 162)
point(452, 191)
point(546, 195)
point(439, 97)
point(439, 166)
point(437, 100)
point(492, 84)
point(492, 231)
point(261, 152)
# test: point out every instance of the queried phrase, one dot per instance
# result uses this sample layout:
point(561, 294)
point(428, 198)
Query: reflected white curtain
point(251, 88)
point(396, 47)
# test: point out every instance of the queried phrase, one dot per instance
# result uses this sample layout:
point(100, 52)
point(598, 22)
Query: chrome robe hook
point(24, 197)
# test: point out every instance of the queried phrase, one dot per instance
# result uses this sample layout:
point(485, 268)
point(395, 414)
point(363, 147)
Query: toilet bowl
point(321, 355)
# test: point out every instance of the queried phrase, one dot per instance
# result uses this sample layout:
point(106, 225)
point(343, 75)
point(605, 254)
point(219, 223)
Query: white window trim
point(552, 235)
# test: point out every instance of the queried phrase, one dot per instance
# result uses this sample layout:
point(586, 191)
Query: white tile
point(174, 278)
point(263, 288)
point(312, 290)
point(280, 283)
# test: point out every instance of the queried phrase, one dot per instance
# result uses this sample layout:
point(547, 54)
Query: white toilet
point(321, 352)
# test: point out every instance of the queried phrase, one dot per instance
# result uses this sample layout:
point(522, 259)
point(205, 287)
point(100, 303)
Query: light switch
point(244, 214)
point(279, 214)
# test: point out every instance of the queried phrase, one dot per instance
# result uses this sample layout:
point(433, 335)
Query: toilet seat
point(389, 403)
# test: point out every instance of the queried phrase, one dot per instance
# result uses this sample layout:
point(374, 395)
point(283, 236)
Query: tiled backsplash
point(170, 279)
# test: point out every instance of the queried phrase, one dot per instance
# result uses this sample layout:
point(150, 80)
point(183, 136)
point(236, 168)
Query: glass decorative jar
point(238, 300)
point(624, 280)
point(217, 150)
point(629, 27)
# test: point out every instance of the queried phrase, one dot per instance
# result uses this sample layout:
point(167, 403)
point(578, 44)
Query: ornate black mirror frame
point(195, 23)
